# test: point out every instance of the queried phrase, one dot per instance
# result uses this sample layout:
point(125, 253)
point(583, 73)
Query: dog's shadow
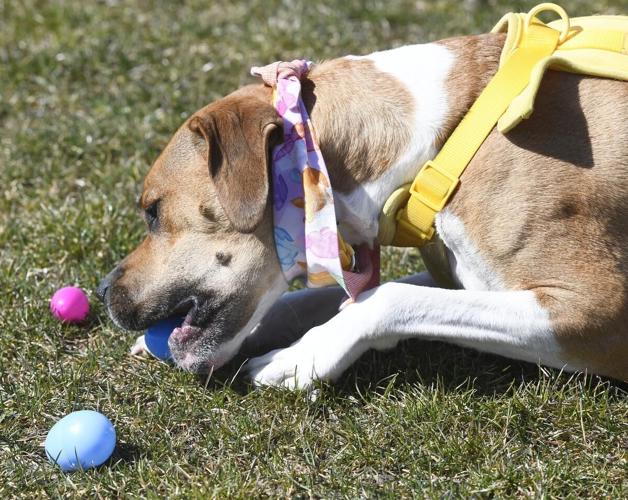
point(429, 364)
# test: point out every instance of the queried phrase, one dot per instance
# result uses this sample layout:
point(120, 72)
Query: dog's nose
point(106, 282)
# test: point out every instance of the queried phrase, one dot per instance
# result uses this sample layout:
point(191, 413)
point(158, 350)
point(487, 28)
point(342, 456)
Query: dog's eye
point(152, 215)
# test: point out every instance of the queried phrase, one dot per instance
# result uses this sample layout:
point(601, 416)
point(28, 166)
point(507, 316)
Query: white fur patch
point(422, 69)
point(468, 266)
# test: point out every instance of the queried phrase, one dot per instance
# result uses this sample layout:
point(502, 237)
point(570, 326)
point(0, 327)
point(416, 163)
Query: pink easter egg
point(69, 304)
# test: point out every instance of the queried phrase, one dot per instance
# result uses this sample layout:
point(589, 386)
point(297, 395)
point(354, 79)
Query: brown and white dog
point(537, 233)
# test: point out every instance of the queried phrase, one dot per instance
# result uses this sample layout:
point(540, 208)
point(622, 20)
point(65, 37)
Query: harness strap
point(600, 39)
point(437, 180)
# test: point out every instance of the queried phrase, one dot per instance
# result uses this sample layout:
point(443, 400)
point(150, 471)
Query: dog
point(537, 233)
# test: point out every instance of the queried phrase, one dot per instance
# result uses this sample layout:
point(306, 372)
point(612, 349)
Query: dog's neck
point(380, 117)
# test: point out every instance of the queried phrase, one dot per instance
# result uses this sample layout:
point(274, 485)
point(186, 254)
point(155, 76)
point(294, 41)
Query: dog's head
point(209, 253)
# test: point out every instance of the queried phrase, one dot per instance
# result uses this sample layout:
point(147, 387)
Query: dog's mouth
point(192, 326)
point(196, 345)
point(186, 333)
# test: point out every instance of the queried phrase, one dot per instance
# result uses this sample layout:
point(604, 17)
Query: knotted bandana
point(305, 228)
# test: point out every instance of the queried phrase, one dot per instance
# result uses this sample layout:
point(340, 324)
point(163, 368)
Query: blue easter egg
point(80, 440)
point(156, 337)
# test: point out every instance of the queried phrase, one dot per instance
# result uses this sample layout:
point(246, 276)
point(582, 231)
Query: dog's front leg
point(510, 323)
point(295, 313)
point(291, 317)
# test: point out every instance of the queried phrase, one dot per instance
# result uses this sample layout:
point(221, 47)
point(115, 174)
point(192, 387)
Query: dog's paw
point(283, 368)
point(139, 348)
point(322, 354)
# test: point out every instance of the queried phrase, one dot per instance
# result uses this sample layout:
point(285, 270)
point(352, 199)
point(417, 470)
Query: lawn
point(89, 94)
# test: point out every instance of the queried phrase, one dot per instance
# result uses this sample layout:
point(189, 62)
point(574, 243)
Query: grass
point(89, 93)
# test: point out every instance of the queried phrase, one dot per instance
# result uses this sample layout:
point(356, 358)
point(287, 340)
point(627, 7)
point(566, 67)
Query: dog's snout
point(106, 283)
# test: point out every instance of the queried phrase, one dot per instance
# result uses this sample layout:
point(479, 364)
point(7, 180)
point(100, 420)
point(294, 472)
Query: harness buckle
point(433, 186)
point(409, 235)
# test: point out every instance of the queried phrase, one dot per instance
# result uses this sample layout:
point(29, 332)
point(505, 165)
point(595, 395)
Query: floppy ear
point(240, 136)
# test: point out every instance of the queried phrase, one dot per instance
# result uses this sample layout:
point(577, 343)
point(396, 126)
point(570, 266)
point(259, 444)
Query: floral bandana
point(306, 236)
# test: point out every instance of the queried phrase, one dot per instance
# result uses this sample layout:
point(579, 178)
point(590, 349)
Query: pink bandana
point(306, 235)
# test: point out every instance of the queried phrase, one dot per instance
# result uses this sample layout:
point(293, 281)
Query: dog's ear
point(240, 135)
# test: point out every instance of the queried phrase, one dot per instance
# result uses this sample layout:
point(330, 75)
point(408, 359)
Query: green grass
point(89, 93)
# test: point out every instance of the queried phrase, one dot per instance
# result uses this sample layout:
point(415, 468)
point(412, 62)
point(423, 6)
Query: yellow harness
point(596, 46)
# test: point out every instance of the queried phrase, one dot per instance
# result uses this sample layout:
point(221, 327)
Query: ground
point(89, 94)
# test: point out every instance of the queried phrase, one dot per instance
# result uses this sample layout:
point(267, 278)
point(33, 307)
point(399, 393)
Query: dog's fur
point(537, 232)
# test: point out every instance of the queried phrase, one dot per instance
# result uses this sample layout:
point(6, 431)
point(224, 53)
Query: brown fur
point(547, 205)
point(480, 54)
point(239, 133)
point(362, 117)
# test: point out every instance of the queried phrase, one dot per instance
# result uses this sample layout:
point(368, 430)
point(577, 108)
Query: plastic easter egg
point(156, 337)
point(69, 304)
point(80, 440)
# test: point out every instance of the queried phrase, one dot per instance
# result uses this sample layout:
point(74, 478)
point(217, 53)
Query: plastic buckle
point(409, 235)
point(433, 186)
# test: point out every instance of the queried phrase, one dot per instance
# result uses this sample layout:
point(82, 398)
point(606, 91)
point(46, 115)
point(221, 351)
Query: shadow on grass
point(430, 364)
point(454, 369)
point(128, 453)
